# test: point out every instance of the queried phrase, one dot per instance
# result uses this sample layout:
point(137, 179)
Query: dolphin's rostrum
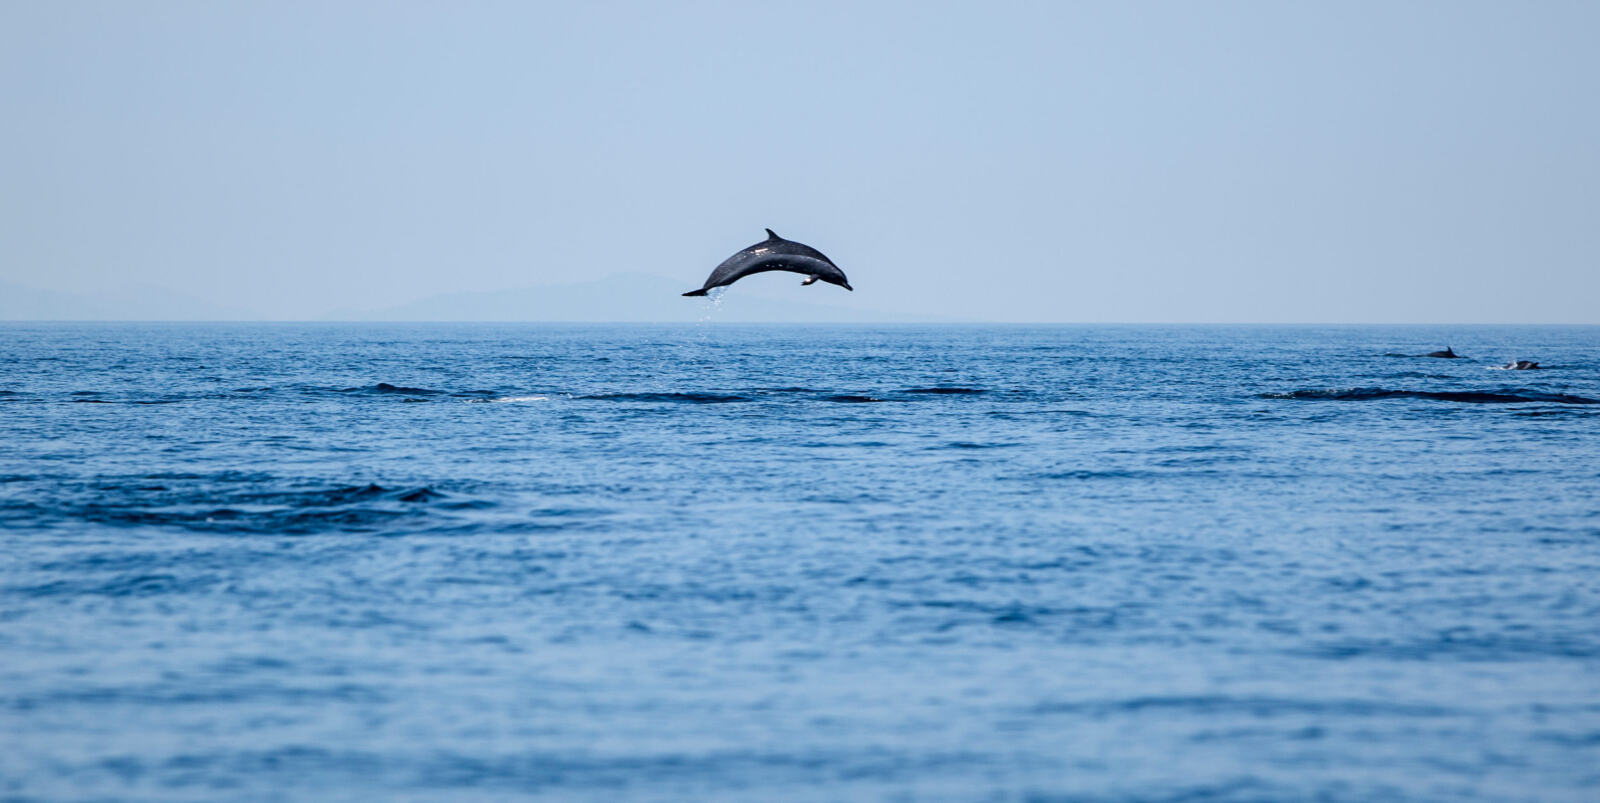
point(775, 253)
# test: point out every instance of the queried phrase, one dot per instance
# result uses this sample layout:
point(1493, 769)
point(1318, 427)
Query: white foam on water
point(503, 399)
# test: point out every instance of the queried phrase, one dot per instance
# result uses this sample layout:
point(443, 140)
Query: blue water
point(440, 562)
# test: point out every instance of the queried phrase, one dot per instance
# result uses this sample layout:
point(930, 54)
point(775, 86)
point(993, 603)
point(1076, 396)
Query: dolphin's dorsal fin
point(772, 235)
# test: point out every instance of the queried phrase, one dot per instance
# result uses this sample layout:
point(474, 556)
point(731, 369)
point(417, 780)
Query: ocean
point(719, 562)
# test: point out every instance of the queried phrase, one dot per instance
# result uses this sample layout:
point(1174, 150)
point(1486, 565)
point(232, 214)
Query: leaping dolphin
point(775, 253)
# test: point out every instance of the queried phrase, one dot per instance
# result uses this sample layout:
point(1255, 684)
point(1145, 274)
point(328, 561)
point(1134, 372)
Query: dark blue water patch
point(461, 504)
point(207, 508)
point(298, 521)
point(1501, 396)
point(199, 694)
point(671, 398)
point(520, 773)
point(1211, 705)
point(508, 398)
point(1448, 646)
point(226, 476)
point(1088, 474)
point(419, 495)
point(947, 391)
point(141, 402)
point(331, 496)
point(132, 585)
point(849, 398)
point(1587, 740)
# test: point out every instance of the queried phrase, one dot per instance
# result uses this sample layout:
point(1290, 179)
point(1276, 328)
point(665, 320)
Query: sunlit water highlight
point(711, 562)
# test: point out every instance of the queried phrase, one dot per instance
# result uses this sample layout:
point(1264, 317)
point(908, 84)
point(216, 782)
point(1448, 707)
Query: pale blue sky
point(1053, 161)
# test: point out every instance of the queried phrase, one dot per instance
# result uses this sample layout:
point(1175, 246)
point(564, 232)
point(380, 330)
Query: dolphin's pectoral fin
point(810, 280)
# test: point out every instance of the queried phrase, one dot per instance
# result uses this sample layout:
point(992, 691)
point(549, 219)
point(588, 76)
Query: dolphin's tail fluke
point(700, 292)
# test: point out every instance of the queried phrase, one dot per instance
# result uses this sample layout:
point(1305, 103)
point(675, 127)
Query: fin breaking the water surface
point(385, 387)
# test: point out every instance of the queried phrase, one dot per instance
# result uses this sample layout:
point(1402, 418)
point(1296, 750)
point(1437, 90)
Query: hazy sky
point(1052, 161)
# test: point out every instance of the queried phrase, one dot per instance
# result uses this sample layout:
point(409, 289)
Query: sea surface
point(716, 562)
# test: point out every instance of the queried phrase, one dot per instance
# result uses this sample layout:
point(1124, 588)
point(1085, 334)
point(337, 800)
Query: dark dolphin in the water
point(1448, 353)
point(775, 253)
point(1521, 365)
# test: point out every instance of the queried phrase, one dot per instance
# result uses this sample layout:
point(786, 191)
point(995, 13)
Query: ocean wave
point(145, 402)
point(845, 398)
point(384, 388)
point(506, 399)
point(948, 391)
point(1086, 474)
point(1457, 646)
point(1214, 704)
point(1500, 396)
point(688, 398)
point(137, 503)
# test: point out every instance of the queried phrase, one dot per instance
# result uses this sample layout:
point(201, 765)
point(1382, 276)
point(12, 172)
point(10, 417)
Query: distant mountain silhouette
point(642, 298)
point(639, 298)
point(133, 303)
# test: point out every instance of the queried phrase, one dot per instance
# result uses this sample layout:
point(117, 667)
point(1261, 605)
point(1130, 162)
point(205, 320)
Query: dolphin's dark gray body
point(1448, 353)
point(775, 253)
